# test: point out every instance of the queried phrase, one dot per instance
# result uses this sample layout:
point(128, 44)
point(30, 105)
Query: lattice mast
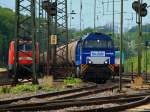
point(25, 28)
point(62, 22)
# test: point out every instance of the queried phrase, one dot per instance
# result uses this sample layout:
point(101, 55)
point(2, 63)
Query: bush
point(72, 81)
point(24, 88)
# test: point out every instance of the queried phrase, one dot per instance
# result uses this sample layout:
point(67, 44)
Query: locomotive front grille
point(98, 60)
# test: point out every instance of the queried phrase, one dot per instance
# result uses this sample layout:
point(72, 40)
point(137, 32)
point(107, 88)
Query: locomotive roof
point(96, 36)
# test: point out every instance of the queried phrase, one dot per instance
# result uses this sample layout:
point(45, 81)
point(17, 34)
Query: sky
point(103, 12)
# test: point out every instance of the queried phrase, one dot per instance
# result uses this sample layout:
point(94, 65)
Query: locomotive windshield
point(98, 44)
point(25, 47)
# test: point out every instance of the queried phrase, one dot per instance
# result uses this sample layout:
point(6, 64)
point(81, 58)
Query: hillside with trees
point(145, 28)
point(7, 19)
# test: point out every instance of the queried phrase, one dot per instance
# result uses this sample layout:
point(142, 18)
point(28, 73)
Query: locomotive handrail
point(60, 56)
point(61, 48)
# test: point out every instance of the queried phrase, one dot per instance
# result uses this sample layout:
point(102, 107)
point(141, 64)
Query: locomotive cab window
point(21, 47)
point(98, 44)
point(25, 47)
point(28, 47)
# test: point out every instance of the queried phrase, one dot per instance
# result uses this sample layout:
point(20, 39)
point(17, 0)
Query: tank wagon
point(93, 56)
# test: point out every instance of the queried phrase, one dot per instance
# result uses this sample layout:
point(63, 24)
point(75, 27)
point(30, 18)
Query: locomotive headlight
point(90, 62)
point(106, 62)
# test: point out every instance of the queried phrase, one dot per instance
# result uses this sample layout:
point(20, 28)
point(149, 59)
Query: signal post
point(141, 11)
point(51, 9)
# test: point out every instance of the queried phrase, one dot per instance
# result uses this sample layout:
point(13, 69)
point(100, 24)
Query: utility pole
point(39, 25)
point(16, 38)
point(53, 31)
point(66, 21)
point(139, 39)
point(121, 46)
point(146, 45)
point(80, 15)
point(94, 15)
point(70, 13)
point(3, 54)
point(47, 43)
point(113, 25)
point(41, 29)
point(33, 42)
point(48, 40)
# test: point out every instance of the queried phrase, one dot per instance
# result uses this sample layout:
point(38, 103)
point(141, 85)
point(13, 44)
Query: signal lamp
point(143, 8)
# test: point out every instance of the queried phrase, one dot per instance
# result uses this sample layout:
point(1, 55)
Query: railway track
point(71, 98)
point(122, 104)
point(135, 100)
point(63, 95)
point(51, 95)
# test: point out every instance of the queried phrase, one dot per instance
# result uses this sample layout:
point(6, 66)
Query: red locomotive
point(24, 57)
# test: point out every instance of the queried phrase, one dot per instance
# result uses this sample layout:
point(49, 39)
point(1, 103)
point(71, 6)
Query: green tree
point(7, 20)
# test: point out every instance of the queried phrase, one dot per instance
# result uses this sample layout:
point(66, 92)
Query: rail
point(136, 100)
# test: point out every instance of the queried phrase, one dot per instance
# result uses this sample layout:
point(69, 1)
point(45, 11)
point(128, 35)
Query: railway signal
point(143, 8)
point(141, 11)
point(53, 9)
point(50, 8)
point(135, 6)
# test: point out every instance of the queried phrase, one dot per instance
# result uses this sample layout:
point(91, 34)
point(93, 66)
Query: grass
point(72, 81)
point(25, 88)
point(134, 60)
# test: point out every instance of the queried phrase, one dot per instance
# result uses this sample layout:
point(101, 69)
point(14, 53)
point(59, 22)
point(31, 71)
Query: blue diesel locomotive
point(95, 57)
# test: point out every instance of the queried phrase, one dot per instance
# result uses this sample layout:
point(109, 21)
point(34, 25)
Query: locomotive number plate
point(97, 53)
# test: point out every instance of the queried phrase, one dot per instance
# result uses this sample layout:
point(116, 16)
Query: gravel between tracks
point(103, 94)
point(125, 90)
point(84, 107)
